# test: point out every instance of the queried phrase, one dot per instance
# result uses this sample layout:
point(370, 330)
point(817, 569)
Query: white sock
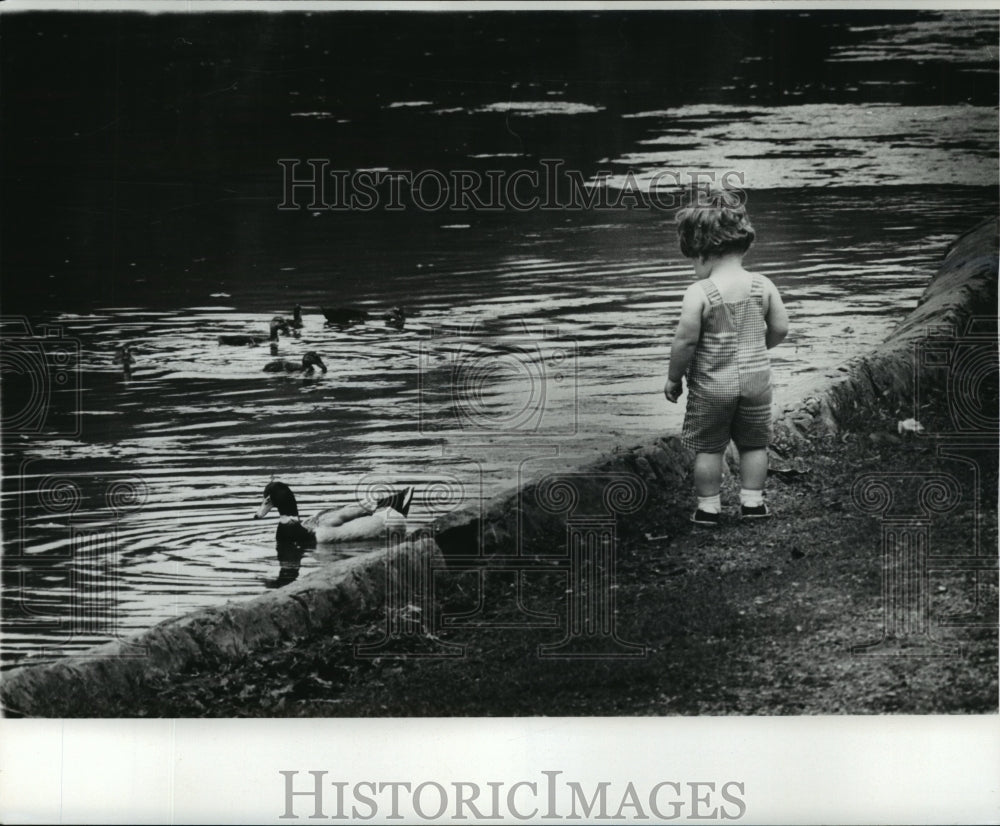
point(710, 504)
point(751, 498)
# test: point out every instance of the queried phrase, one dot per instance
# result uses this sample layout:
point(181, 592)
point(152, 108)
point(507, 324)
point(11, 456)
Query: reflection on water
point(845, 145)
point(554, 343)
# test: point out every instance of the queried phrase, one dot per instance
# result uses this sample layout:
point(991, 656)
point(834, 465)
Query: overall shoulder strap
point(711, 292)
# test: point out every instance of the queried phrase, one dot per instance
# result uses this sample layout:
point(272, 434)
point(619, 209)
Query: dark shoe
point(755, 512)
point(710, 520)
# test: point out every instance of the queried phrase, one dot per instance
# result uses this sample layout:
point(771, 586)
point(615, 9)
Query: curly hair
point(718, 229)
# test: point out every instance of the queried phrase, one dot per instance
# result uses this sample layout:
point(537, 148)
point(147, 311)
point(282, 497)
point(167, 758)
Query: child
point(729, 319)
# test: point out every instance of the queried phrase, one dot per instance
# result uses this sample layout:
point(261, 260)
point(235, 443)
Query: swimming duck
point(345, 315)
point(296, 321)
point(346, 523)
point(242, 339)
point(309, 361)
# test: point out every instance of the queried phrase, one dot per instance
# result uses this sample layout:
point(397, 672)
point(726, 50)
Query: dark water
point(144, 212)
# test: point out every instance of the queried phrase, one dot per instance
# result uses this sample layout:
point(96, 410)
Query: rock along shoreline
point(119, 674)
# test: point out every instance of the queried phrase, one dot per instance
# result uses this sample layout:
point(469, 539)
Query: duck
point(296, 321)
point(309, 361)
point(345, 315)
point(343, 524)
point(243, 339)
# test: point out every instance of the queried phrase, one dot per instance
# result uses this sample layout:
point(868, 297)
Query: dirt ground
point(749, 618)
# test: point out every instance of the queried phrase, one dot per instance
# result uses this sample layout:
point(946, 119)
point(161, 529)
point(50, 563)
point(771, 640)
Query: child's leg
point(753, 473)
point(708, 480)
point(707, 473)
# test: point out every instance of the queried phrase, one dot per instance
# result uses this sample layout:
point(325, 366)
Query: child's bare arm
point(776, 318)
point(685, 340)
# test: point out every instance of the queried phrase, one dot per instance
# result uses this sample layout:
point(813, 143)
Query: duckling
point(242, 339)
point(296, 321)
point(309, 361)
point(349, 522)
point(345, 315)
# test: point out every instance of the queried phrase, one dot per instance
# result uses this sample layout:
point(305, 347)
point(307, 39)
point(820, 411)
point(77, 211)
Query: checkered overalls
point(729, 377)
